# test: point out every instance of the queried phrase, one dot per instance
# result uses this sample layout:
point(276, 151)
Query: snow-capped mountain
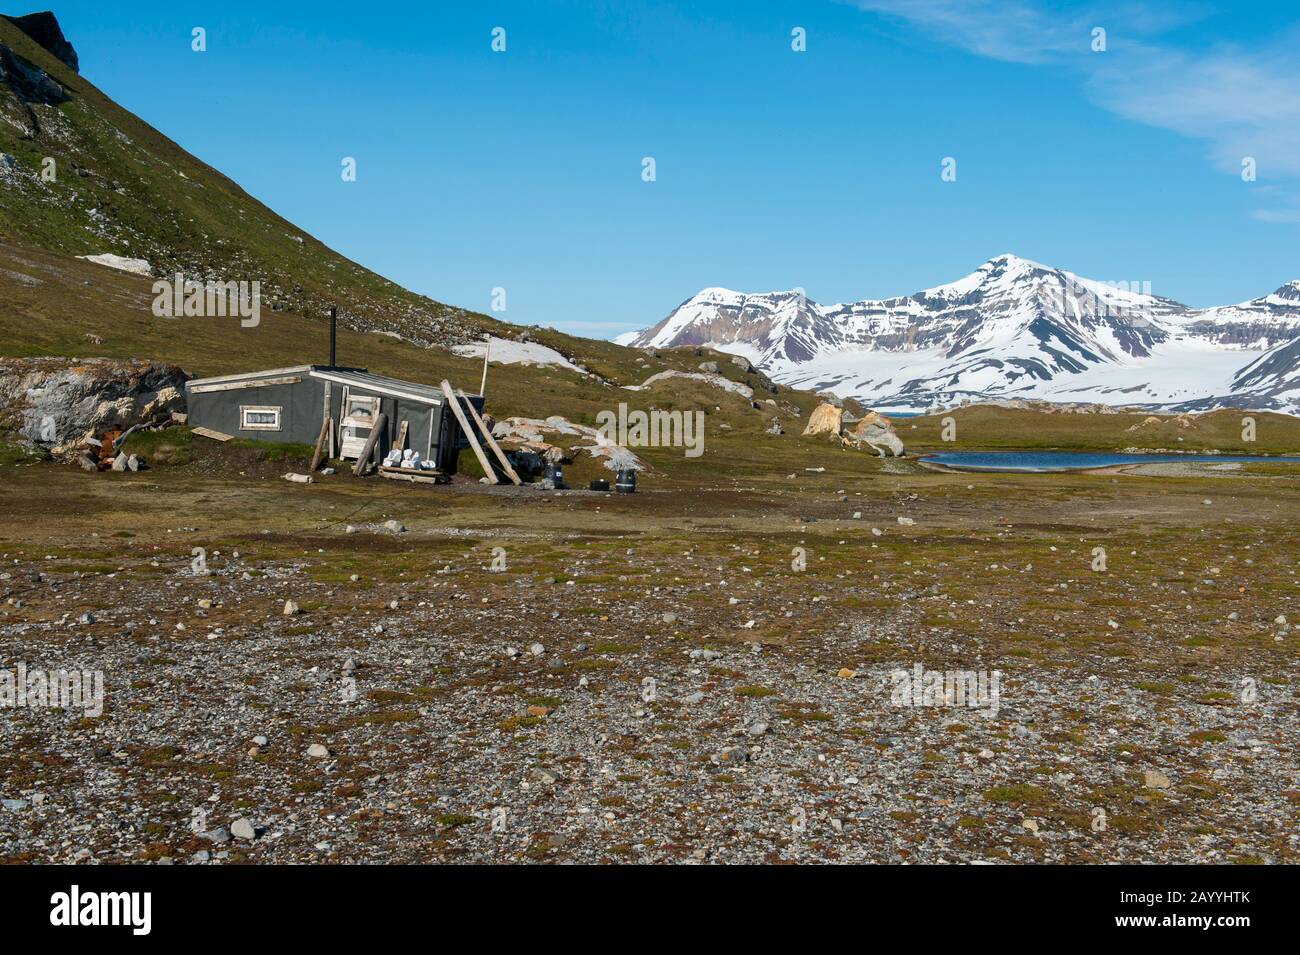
point(1011, 329)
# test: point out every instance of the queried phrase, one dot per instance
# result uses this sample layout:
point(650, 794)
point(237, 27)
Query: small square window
point(361, 408)
point(259, 418)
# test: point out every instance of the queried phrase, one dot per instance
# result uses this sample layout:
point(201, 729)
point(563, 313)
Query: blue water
point(1071, 460)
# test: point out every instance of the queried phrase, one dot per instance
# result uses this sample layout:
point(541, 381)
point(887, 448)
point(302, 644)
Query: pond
point(1075, 460)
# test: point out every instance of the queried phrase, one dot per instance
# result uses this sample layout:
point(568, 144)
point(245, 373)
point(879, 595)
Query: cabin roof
point(353, 377)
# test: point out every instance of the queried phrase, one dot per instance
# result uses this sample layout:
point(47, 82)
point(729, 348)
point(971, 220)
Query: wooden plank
point(492, 443)
point(402, 470)
point(363, 462)
point(214, 435)
point(428, 477)
point(241, 385)
point(400, 445)
point(469, 432)
point(320, 446)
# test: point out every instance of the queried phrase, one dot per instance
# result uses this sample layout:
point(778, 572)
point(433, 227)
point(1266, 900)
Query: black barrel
point(625, 483)
point(600, 484)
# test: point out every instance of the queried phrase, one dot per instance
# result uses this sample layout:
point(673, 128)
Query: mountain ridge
point(1011, 328)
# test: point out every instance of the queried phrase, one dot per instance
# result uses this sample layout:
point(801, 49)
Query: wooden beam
point(241, 385)
point(469, 432)
point(400, 444)
point(496, 448)
point(363, 462)
point(320, 446)
point(214, 435)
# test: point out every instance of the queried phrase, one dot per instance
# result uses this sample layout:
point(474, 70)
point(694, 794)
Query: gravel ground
point(665, 687)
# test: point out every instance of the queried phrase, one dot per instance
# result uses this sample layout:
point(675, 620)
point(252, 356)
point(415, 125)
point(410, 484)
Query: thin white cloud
point(1017, 32)
point(1242, 103)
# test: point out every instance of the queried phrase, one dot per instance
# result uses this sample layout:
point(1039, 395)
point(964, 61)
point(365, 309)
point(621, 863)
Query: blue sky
point(774, 168)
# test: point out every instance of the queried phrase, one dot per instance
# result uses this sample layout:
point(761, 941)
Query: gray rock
point(243, 829)
point(60, 400)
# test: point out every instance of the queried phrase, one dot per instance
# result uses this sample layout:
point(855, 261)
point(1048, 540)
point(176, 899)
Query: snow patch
point(510, 352)
point(121, 263)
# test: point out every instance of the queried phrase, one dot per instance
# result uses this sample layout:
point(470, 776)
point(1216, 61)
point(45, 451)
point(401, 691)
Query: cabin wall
point(299, 405)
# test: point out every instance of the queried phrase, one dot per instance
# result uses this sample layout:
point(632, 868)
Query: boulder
point(876, 431)
point(881, 439)
point(825, 419)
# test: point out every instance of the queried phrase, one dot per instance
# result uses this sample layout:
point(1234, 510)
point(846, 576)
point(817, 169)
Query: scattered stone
point(1154, 779)
point(243, 829)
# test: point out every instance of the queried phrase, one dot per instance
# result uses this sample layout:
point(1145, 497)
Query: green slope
point(124, 188)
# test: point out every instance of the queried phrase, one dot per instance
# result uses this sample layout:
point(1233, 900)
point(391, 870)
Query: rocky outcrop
point(709, 378)
point(44, 29)
point(22, 86)
point(58, 402)
point(874, 430)
point(539, 438)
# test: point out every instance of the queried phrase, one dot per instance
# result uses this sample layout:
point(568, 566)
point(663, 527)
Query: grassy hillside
point(122, 187)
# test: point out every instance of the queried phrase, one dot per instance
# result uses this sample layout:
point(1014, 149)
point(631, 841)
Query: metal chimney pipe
point(334, 322)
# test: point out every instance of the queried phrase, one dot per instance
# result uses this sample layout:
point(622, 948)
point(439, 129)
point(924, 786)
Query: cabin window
point(361, 409)
point(259, 417)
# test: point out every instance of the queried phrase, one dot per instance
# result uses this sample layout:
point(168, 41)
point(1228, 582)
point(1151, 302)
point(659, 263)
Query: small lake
point(1075, 460)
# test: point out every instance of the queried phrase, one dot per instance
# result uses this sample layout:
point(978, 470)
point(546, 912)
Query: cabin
point(290, 405)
